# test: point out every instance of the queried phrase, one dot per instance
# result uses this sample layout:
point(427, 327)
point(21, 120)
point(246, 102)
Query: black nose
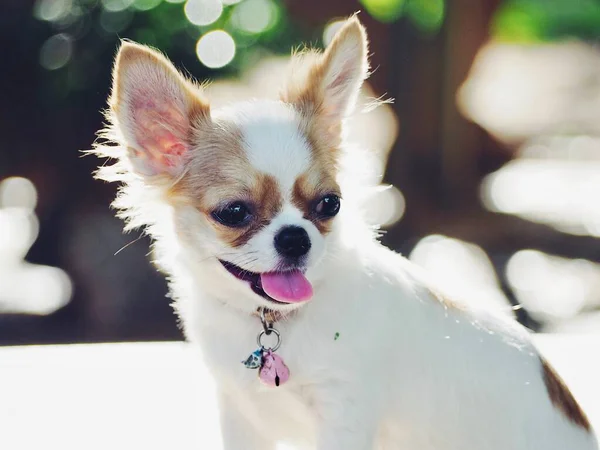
point(292, 242)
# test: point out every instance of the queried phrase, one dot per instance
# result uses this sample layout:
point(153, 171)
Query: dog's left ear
point(332, 83)
point(157, 111)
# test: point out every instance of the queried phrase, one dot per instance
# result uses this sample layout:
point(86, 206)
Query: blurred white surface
point(517, 91)
point(462, 271)
point(159, 395)
point(25, 288)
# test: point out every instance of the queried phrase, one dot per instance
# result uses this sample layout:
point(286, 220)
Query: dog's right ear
point(156, 109)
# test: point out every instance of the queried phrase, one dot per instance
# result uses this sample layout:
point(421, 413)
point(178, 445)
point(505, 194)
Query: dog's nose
point(292, 242)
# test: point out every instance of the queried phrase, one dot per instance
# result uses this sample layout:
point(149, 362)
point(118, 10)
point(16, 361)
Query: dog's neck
point(271, 316)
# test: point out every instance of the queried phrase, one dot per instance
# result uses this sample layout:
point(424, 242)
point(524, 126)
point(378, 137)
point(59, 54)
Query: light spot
point(386, 207)
point(553, 191)
point(18, 230)
point(462, 271)
point(215, 49)
point(146, 5)
point(115, 22)
point(17, 192)
point(56, 51)
point(25, 288)
point(551, 287)
point(203, 12)
point(255, 16)
point(52, 10)
point(427, 15)
point(385, 10)
point(116, 5)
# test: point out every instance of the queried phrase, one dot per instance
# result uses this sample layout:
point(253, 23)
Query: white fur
point(406, 372)
point(272, 139)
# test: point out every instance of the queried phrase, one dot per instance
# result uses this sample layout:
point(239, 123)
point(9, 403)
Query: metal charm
point(272, 370)
point(254, 361)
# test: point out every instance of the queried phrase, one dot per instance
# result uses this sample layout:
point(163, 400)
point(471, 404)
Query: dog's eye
point(328, 206)
point(235, 214)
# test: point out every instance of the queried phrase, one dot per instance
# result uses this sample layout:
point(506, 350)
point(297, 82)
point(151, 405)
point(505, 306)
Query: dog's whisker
point(129, 244)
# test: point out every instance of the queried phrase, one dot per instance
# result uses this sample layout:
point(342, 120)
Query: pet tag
point(273, 371)
point(254, 361)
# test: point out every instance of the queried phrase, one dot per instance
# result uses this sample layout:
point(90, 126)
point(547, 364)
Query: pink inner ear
point(339, 89)
point(161, 130)
point(342, 77)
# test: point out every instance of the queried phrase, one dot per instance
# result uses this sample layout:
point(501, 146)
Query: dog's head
point(251, 190)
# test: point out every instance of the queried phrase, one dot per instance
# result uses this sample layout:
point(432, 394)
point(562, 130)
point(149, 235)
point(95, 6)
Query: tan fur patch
point(323, 135)
point(218, 173)
point(267, 202)
point(309, 69)
point(320, 179)
point(314, 91)
point(308, 189)
point(450, 303)
point(561, 397)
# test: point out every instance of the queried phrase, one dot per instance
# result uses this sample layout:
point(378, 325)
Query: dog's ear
point(331, 85)
point(156, 110)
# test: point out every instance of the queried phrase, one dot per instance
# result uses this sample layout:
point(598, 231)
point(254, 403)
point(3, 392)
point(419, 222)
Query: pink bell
point(273, 371)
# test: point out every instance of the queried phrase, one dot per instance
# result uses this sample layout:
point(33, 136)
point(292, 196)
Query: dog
point(315, 333)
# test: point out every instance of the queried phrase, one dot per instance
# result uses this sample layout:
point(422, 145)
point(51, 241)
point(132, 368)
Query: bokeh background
point(491, 148)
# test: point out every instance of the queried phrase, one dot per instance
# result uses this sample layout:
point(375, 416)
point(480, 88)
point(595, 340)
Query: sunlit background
point(489, 157)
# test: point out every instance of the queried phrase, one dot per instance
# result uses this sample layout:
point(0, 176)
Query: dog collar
point(268, 316)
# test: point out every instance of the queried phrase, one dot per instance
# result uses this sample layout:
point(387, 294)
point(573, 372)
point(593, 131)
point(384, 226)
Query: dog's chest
point(285, 413)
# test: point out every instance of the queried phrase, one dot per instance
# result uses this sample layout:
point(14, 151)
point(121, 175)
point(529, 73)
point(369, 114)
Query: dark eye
point(233, 215)
point(328, 206)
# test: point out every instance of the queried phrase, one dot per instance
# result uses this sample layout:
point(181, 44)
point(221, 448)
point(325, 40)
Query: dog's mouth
point(290, 286)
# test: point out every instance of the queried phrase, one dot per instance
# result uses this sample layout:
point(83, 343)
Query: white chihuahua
point(355, 350)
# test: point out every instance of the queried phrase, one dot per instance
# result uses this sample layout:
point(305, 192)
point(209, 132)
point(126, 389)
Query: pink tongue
point(287, 287)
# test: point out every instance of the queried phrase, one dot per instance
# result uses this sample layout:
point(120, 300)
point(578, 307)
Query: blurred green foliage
point(426, 15)
point(83, 35)
point(529, 21)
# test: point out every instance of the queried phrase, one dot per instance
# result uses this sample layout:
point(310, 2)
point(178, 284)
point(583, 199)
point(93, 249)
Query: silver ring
point(269, 331)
